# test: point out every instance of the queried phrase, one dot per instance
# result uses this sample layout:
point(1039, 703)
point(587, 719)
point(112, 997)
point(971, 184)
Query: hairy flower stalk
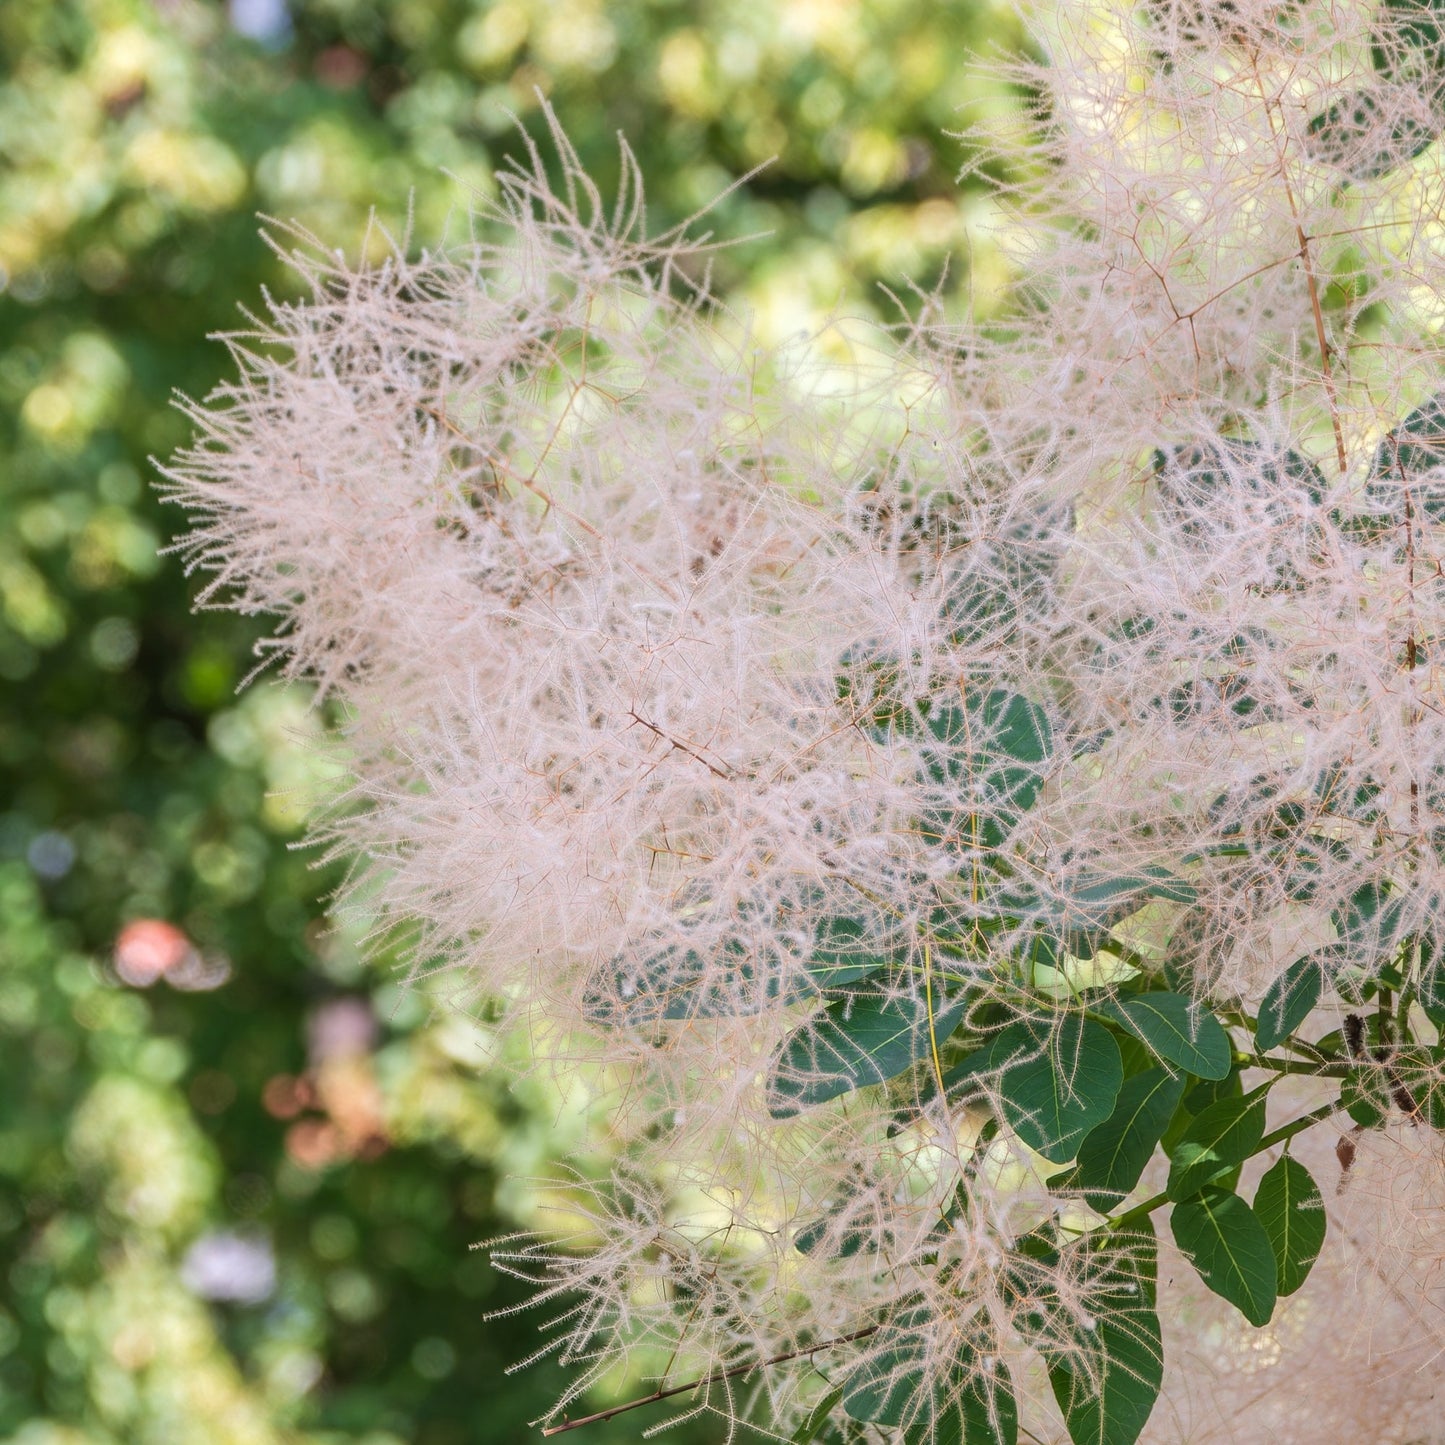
point(973, 816)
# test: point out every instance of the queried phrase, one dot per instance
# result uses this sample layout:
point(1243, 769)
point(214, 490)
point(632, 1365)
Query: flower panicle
point(709, 709)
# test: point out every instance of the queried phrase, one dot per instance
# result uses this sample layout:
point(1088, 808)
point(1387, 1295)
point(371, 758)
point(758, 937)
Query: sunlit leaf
point(1226, 1133)
point(818, 1417)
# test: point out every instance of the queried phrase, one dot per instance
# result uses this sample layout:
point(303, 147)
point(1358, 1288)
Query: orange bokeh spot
point(148, 948)
point(284, 1096)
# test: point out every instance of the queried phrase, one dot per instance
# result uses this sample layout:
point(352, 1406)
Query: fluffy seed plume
point(867, 775)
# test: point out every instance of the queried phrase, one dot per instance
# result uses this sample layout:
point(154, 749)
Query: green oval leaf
point(1288, 1000)
point(1218, 1234)
point(1415, 447)
point(1200, 488)
point(1004, 578)
point(1177, 1030)
point(1105, 1355)
point(1368, 923)
point(870, 1032)
point(965, 1079)
point(1113, 1155)
point(971, 1403)
point(846, 1229)
point(985, 762)
point(1211, 1091)
point(1408, 46)
point(1225, 1134)
point(1058, 1079)
point(737, 964)
point(1419, 1085)
point(1360, 137)
point(1432, 973)
point(849, 947)
point(1288, 1205)
point(1096, 890)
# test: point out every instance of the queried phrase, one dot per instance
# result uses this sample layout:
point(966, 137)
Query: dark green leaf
point(1342, 794)
point(1418, 1076)
point(1135, 1056)
point(1226, 1133)
point(849, 1228)
point(1177, 1030)
point(991, 585)
point(1195, 476)
point(964, 1080)
point(1091, 891)
point(1408, 46)
point(675, 981)
point(869, 679)
point(731, 964)
point(808, 1239)
point(1356, 985)
point(849, 947)
point(1059, 1078)
point(1288, 1001)
point(972, 1403)
point(1113, 1155)
point(996, 725)
point(1211, 1091)
point(1365, 1094)
point(872, 1031)
point(1367, 924)
point(1202, 488)
point(1218, 1234)
point(1305, 862)
point(1288, 1205)
point(1432, 973)
point(985, 762)
point(1133, 887)
point(1106, 1358)
point(1415, 447)
point(1360, 137)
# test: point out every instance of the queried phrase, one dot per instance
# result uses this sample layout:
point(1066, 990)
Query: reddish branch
point(744, 1369)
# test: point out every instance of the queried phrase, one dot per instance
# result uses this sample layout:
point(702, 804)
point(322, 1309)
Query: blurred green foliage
point(239, 1175)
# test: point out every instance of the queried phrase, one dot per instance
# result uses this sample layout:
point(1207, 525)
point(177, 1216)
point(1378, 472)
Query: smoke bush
point(947, 805)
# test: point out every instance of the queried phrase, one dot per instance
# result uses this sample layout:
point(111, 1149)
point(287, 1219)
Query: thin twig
point(1284, 1132)
point(1307, 262)
point(696, 756)
point(712, 1379)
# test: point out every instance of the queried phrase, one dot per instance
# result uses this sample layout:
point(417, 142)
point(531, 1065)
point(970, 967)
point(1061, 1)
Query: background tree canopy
point(239, 1173)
